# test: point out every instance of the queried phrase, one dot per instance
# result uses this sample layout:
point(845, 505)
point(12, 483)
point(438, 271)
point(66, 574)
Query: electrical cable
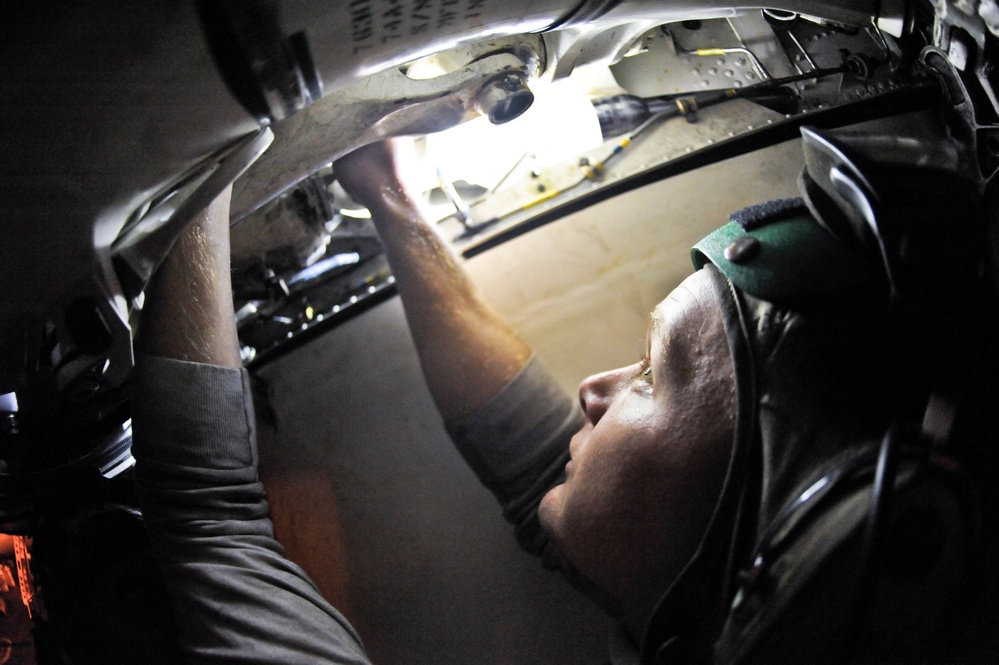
point(683, 104)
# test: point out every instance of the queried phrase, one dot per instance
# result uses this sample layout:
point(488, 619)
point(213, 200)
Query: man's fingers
point(368, 170)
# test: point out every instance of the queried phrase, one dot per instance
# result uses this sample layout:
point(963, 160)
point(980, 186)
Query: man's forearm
point(188, 313)
point(237, 599)
point(467, 350)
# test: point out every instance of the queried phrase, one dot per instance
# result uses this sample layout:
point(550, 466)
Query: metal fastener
point(742, 250)
point(504, 98)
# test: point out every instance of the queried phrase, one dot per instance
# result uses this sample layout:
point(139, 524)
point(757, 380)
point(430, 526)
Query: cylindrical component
point(776, 98)
point(622, 113)
point(504, 98)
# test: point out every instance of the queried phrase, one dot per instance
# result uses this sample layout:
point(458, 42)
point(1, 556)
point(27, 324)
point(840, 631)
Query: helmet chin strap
point(687, 619)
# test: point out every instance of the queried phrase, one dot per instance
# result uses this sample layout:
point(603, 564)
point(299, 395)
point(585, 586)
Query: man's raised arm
point(467, 350)
point(503, 410)
point(188, 313)
point(235, 596)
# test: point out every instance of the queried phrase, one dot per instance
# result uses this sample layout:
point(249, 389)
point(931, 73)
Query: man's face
point(647, 467)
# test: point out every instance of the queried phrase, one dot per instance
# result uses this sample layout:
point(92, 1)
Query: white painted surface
point(580, 290)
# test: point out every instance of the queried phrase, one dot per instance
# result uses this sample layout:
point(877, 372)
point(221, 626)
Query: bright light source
point(557, 128)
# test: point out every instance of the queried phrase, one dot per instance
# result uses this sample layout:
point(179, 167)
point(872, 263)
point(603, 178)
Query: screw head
point(742, 250)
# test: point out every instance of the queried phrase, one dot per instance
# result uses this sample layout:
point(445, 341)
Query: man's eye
point(645, 370)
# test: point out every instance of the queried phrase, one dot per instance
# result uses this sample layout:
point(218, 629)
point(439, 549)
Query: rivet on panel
point(742, 250)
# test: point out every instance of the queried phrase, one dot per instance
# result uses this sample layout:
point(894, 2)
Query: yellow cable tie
point(541, 199)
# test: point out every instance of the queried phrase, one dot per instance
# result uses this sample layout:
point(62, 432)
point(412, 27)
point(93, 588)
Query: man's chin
point(550, 508)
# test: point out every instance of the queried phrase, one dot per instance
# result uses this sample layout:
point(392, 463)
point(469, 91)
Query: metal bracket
point(390, 104)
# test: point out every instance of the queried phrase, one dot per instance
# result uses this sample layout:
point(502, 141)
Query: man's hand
point(188, 313)
point(376, 173)
point(468, 353)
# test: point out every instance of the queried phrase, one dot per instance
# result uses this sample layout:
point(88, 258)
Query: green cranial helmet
point(847, 516)
point(778, 252)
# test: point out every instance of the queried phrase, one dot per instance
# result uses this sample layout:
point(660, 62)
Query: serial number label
point(377, 22)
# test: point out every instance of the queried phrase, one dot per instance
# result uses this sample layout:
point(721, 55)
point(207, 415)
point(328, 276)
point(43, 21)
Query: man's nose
point(597, 392)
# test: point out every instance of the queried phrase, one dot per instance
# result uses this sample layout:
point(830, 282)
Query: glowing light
point(557, 128)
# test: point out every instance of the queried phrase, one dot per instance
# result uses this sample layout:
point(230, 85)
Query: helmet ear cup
point(815, 601)
point(926, 562)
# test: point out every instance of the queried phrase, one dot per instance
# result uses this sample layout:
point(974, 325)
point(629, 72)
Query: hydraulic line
point(671, 106)
point(688, 105)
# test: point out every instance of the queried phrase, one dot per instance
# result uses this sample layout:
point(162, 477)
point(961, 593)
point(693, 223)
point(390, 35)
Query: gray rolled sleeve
point(236, 597)
point(518, 444)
